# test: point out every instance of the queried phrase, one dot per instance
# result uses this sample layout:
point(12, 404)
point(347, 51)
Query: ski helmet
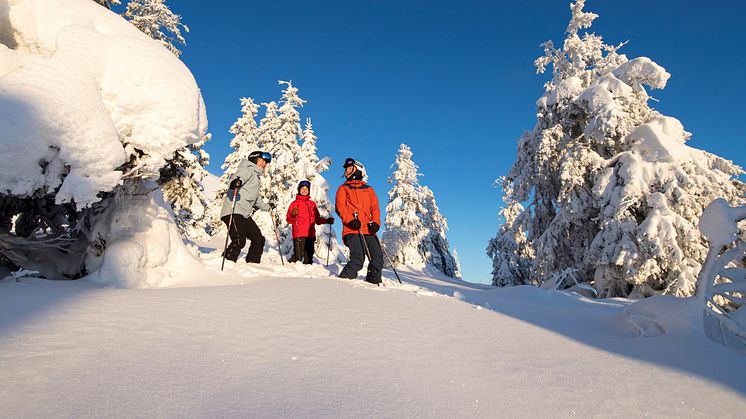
point(260, 155)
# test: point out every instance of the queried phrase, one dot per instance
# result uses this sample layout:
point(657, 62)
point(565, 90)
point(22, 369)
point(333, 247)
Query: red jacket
point(355, 195)
point(308, 214)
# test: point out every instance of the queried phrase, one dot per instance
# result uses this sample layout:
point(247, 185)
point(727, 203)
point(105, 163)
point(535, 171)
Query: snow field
point(321, 347)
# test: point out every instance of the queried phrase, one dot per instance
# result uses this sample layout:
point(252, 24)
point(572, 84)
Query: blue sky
point(453, 80)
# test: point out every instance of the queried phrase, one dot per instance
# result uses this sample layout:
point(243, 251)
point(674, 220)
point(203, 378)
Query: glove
point(354, 224)
point(330, 220)
point(373, 227)
point(271, 206)
point(235, 183)
point(294, 212)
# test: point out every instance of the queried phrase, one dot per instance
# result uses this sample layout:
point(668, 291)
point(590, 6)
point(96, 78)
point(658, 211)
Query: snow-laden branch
point(721, 284)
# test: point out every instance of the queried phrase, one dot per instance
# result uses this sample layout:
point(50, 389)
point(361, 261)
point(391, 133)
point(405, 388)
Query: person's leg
point(375, 264)
point(308, 246)
point(357, 256)
point(256, 248)
point(237, 235)
point(297, 251)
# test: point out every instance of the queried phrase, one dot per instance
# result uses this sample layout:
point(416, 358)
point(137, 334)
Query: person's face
point(349, 170)
point(304, 190)
point(261, 163)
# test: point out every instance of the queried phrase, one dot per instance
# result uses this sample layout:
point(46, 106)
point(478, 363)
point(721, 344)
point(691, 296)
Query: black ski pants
point(303, 249)
point(357, 246)
point(241, 229)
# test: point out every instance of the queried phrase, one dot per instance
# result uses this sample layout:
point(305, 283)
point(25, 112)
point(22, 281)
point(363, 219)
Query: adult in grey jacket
point(242, 226)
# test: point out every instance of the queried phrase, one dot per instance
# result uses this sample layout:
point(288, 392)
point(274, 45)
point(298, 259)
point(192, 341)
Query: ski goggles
point(266, 156)
point(349, 162)
point(305, 183)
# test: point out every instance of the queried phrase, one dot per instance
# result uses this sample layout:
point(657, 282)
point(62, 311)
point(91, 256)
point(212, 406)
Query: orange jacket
point(355, 195)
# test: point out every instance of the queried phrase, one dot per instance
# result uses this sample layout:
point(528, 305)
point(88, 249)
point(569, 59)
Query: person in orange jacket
point(302, 215)
point(357, 206)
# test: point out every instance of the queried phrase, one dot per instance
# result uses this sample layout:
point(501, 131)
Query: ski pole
point(362, 238)
point(328, 246)
point(277, 236)
point(387, 258)
point(230, 224)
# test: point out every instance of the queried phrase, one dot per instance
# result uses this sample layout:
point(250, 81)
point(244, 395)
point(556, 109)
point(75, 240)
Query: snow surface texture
point(102, 92)
point(273, 341)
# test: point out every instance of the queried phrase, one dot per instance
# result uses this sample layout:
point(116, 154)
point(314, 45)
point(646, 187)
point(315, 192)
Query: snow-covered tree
point(245, 140)
point(108, 3)
point(610, 192)
point(66, 171)
point(404, 230)
point(181, 183)
point(155, 19)
point(435, 245)
point(510, 251)
point(280, 136)
point(721, 286)
point(415, 232)
point(310, 167)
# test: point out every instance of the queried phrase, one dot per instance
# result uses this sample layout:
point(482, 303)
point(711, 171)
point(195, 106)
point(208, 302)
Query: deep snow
point(261, 341)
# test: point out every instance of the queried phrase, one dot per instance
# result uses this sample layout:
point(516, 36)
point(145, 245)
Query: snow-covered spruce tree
point(510, 250)
point(181, 183)
point(435, 245)
point(155, 19)
point(457, 264)
point(310, 167)
point(415, 229)
point(611, 192)
point(245, 140)
point(281, 138)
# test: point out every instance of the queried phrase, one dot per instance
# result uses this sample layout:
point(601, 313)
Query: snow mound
point(655, 316)
point(660, 140)
point(102, 92)
point(719, 222)
point(144, 246)
point(642, 70)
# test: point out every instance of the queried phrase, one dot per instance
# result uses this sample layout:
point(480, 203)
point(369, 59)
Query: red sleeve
point(288, 217)
point(317, 215)
point(375, 212)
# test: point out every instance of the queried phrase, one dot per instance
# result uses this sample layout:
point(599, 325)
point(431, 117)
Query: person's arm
point(317, 216)
point(375, 212)
point(289, 217)
point(341, 206)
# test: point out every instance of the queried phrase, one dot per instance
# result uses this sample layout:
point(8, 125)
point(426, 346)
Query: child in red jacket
point(302, 216)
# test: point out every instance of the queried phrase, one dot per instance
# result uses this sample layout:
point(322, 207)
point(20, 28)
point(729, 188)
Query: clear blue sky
point(453, 80)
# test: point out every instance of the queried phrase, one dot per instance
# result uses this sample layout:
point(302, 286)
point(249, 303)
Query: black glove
point(235, 183)
point(330, 220)
point(373, 227)
point(271, 205)
point(354, 224)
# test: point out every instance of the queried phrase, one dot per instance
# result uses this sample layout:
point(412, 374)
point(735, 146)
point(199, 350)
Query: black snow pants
point(303, 249)
point(244, 228)
point(357, 257)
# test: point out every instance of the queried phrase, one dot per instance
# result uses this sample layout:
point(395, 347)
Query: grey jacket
point(248, 194)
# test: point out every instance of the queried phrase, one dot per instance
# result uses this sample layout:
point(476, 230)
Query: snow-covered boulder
point(83, 92)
